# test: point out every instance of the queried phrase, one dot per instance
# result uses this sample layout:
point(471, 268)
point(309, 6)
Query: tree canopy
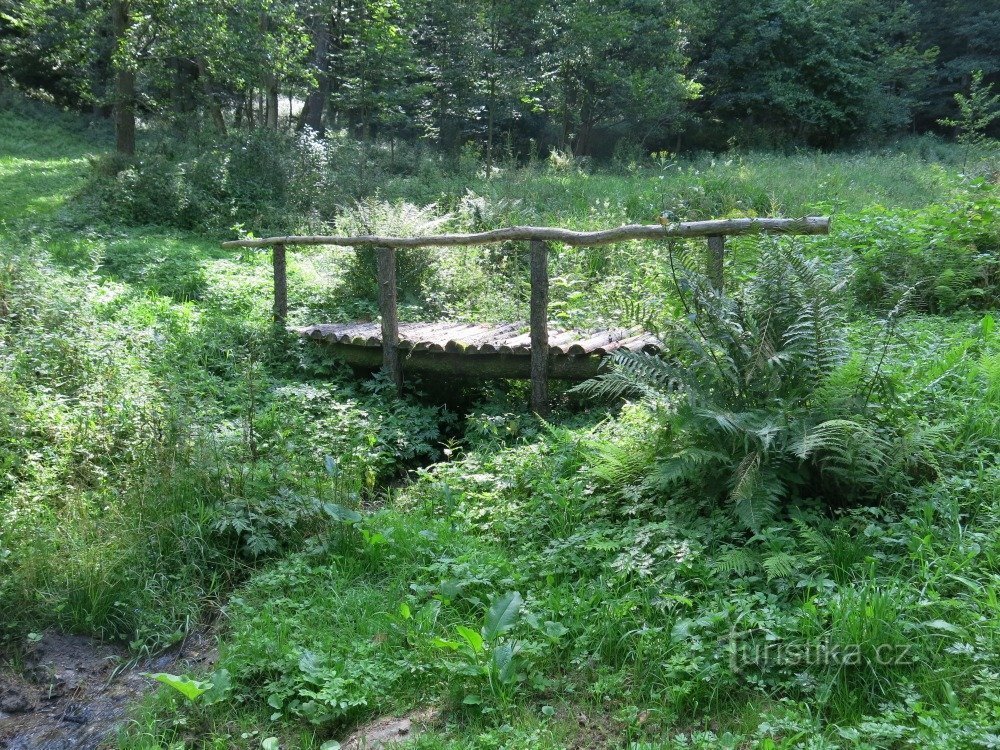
point(581, 76)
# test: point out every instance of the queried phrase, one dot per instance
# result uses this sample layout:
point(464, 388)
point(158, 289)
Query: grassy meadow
point(170, 461)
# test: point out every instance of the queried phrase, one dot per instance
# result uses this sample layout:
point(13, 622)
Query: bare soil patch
point(74, 691)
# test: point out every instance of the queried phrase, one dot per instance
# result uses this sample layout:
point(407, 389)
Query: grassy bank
point(167, 456)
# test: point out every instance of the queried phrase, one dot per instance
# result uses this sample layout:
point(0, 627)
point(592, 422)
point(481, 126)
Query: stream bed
point(73, 692)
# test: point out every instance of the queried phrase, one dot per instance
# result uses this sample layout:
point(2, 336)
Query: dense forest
point(518, 77)
point(777, 526)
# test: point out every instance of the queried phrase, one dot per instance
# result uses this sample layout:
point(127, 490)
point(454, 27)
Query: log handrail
point(715, 231)
point(664, 230)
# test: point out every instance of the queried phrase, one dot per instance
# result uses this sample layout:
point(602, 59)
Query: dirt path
point(73, 692)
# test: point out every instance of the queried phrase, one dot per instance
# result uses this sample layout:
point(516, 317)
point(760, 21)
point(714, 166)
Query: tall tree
point(124, 67)
point(616, 67)
point(813, 72)
point(319, 91)
point(966, 35)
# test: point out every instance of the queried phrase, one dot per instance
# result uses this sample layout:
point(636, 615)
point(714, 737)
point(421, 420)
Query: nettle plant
point(760, 401)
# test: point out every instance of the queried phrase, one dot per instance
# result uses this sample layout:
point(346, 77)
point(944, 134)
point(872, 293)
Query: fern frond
point(780, 565)
point(832, 435)
point(755, 492)
point(738, 560)
point(616, 464)
point(745, 477)
point(638, 374)
point(689, 464)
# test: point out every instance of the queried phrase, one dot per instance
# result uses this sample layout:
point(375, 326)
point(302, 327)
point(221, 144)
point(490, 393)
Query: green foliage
point(415, 269)
point(163, 450)
point(759, 396)
point(517, 79)
point(819, 73)
point(190, 689)
point(944, 257)
point(487, 660)
point(260, 180)
point(976, 112)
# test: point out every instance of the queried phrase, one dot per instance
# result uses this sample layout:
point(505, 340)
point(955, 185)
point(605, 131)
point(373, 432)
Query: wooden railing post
point(280, 307)
point(539, 327)
point(716, 260)
point(386, 257)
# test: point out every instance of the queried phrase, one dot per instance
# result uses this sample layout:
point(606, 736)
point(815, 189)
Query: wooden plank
point(360, 336)
point(414, 333)
point(646, 342)
point(390, 314)
point(558, 341)
point(463, 341)
point(476, 367)
point(452, 340)
point(361, 332)
point(502, 334)
point(632, 343)
point(280, 272)
point(602, 338)
point(521, 344)
point(326, 331)
point(345, 333)
point(539, 327)
point(517, 345)
point(437, 343)
point(664, 230)
point(490, 335)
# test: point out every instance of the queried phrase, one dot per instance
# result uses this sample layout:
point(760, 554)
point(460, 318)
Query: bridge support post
point(716, 260)
point(386, 257)
point(539, 327)
point(280, 307)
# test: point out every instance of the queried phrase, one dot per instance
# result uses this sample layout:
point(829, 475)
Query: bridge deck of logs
point(504, 351)
point(479, 351)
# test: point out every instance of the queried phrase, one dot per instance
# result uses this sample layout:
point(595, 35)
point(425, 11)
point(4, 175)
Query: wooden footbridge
point(513, 350)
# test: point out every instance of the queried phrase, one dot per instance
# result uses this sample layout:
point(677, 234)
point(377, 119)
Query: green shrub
point(264, 180)
point(947, 253)
point(761, 401)
point(416, 269)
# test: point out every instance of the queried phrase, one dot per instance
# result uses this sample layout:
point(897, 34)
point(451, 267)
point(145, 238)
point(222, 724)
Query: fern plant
point(763, 402)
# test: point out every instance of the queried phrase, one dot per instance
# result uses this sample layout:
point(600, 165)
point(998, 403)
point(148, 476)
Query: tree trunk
point(300, 121)
point(211, 98)
point(238, 110)
point(279, 265)
point(582, 147)
point(564, 137)
point(386, 259)
point(489, 128)
point(539, 327)
point(335, 71)
point(317, 97)
point(124, 106)
point(182, 95)
point(251, 122)
point(272, 101)
point(268, 116)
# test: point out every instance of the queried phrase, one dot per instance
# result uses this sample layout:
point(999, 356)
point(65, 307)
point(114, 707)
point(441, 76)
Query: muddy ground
point(72, 692)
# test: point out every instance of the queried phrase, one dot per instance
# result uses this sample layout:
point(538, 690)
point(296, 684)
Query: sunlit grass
point(126, 395)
